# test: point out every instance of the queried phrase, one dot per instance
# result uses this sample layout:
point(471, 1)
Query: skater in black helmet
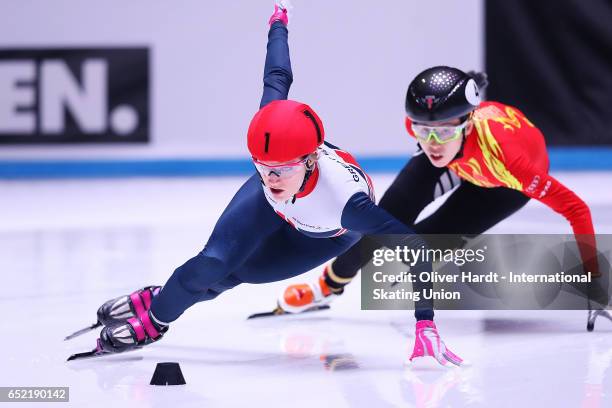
point(491, 156)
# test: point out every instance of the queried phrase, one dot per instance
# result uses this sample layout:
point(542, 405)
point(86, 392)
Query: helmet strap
point(260, 178)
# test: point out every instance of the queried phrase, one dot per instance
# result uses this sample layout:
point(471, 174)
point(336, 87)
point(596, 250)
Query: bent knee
point(202, 272)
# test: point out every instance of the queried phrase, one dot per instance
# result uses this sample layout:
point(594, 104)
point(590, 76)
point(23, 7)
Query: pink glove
point(280, 14)
point(428, 343)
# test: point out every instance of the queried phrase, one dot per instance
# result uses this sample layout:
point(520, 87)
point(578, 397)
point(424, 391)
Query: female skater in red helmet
point(307, 203)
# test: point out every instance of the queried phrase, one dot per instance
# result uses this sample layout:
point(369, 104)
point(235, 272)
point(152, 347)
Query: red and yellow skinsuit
point(504, 149)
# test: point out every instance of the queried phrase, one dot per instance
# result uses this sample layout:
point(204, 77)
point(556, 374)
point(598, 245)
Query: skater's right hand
point(427, 342)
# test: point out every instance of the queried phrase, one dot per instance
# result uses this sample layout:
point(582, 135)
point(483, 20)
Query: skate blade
point(97, 352)
point(606, 314)
point(83, 331)
point(278, 311)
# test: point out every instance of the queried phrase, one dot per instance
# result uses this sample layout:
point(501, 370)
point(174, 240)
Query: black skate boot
point(133, 334)
point(118, 310)
point(136, 332)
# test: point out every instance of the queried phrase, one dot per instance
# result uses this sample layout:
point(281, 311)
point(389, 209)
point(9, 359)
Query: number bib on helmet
point(319, 213)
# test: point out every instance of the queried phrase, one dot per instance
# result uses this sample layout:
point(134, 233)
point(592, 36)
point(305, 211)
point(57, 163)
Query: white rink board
point(207, 60)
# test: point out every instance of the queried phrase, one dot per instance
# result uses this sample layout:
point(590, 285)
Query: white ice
point(67, 246)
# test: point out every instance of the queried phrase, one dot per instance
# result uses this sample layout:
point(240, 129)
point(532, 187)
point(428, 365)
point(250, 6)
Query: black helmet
point(443, 93)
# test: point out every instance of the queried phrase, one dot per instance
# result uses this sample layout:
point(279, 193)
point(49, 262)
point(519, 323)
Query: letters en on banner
point(74, 95)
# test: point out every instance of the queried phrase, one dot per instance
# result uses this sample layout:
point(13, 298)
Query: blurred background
point(189, 75)
point(159, 88)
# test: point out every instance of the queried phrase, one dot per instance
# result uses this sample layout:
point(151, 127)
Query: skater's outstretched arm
point(277, 71)
point(564, 201)
point(361, 214)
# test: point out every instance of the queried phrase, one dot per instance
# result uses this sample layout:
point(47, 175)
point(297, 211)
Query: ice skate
point(135, 333)
point(118, 310)
point(302, 297)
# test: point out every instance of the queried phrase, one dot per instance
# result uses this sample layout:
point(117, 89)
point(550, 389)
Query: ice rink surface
point(68, 246)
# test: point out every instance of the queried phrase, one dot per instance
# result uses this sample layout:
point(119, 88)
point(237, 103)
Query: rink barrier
point(561, 159)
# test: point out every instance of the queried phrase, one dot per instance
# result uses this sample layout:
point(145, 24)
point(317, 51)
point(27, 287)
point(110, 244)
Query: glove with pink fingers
point(428, 343)
point(281, 9)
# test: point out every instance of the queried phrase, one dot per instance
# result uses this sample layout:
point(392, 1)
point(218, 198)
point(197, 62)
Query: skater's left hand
point(281, 13)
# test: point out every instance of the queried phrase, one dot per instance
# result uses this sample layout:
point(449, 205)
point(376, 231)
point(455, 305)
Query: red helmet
point(284, 130)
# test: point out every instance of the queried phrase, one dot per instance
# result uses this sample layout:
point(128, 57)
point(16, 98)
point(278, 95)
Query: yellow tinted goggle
point(441, 134)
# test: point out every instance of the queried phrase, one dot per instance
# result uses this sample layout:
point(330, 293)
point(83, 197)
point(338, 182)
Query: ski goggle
point(280, 170)
point(441, 134)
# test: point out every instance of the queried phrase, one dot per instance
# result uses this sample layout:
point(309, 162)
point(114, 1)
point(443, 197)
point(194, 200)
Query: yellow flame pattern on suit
point(471, 172)
point(512, 121)
point(492, 154)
